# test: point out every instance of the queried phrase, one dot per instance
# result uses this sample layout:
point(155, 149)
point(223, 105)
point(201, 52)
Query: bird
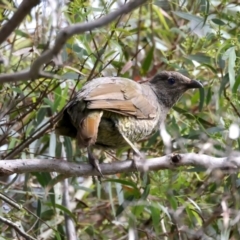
point(115, 112)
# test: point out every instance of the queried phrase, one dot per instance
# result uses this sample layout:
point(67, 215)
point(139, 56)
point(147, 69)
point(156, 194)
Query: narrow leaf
point(148, 60)
point(230, 54)
point(218, 21)
point(202, 98)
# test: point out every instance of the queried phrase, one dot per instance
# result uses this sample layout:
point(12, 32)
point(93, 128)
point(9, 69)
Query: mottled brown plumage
point(112, 112)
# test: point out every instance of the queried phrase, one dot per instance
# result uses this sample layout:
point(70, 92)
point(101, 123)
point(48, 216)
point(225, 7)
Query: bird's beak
point(194, 84)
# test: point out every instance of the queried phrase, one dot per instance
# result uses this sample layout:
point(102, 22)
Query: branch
point(231, 103)
point(14, 204)
point(170, 161)
point(10, 201)
point(23, 10)
point(36, 69)
point(17, 228)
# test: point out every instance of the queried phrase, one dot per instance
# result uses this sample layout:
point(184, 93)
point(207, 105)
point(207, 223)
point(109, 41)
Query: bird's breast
point(113, 125)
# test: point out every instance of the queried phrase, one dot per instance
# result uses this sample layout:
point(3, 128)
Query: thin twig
point(22, 11)
point(231, 103)
point(137, 43)
point(10, 202)
point(17, 228)
point(35, 70)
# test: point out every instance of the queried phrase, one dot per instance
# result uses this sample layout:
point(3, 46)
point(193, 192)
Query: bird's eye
point(171, 81)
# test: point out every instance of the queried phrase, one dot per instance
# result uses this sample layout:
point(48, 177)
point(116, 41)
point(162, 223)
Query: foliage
point(198, 38)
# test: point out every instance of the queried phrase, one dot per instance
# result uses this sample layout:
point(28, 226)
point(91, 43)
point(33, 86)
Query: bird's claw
point(95, 163)
point(137, 157)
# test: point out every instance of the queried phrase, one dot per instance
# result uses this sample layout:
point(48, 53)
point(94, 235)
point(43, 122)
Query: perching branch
point(36, 71)
point(170, 161)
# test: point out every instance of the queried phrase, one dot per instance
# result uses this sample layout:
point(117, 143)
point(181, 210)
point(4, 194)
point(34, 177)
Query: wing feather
point(120, 95)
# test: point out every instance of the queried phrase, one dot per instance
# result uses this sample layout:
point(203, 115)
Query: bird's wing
point(120, 95)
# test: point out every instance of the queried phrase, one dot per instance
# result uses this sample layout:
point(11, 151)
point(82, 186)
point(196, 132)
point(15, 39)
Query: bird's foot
point(95, 163)
point(137, 157)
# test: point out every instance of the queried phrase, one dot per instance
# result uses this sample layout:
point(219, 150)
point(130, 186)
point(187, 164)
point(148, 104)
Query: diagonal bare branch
point(23, 10)
point(35, 70)
point(17, 228)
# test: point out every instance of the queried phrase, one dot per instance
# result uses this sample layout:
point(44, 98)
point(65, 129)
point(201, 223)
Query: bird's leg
point(137, 154)
point(94, 161)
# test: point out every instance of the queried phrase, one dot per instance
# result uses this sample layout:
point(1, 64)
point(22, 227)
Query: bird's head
point(169, 86)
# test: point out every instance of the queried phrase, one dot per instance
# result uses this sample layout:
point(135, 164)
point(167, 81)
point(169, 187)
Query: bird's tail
point(88, 128)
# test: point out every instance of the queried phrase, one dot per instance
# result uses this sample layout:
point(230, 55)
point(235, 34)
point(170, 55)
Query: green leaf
point(148, 61)
point(184, 112)
point(205, 7)
point(218, 21)
point(221, 63)
point(213, 69)
point(137, 210)
point(22, 34)
point(173, 201)
point(58, 150)
point(17, 90)
point(43, 178)
point(155, 215)
point(161, 17)
point(38, 213)
point(201, 58)
point(145, 192)
point(196, 169)
point(236, 85)
point(40, 115)
point(70, 75)
point(209, 96)
point(188, 16)
point(202, 98)
point(57, 99)
point(49, 102)
point(47, 214)
point(68, 147)
point(57, 235)
point(121, 208)
point(224, 82)
point(66, 211)
point(123, 182)
point(230, 54)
